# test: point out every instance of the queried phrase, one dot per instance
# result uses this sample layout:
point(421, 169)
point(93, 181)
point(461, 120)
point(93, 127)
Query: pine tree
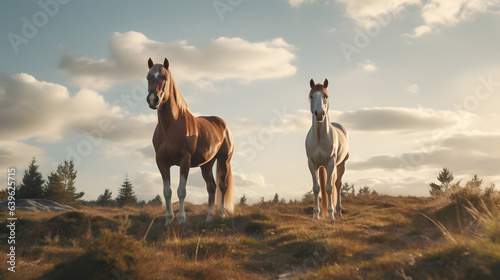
point(32, 185)
point(243, 199)
point(475, 182)
point(61, 184)
point(364, 190)
point(105, 198)
point(347, 190)
point(126, 194)
point(445, 177)
point(68, 176)
point(55, 189)
point(276, 198)
point(156, 201)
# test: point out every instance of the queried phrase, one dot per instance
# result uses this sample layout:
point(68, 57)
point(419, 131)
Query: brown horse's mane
point(319, 87)
point(179, 105)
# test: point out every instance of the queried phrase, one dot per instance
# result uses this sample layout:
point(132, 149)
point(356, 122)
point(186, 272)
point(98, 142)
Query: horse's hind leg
point(208, 176)
point(338, 185)
point(181, 190)
point(222, 180)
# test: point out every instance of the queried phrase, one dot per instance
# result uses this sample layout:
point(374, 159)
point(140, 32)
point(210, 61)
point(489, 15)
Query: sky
point(416, 83)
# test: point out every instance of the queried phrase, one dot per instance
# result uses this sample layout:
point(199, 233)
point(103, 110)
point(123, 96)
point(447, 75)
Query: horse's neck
point(174, 108)
point(321, 128)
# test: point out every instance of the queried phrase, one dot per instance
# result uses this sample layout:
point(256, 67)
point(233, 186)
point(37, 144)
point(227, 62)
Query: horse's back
point(215, 128)
point(211, 125)
point(343, 142)
point(340, 127)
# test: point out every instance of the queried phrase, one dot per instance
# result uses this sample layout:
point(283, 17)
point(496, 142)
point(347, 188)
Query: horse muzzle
point(153, 101)
point(320, 116)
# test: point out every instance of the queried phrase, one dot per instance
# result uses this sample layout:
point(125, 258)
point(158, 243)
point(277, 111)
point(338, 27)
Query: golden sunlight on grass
point(380, 237)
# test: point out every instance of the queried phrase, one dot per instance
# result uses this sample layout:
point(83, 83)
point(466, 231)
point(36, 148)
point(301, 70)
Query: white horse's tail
point(229, 198)
point(324, 198)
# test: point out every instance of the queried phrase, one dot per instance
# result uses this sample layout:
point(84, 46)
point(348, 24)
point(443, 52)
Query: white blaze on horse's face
point(319, 105)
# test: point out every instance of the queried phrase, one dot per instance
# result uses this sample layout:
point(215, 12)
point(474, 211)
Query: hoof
point(222, 213)
point(169, 220)
point(181, 218)
point(331, 215)
point(210, 214)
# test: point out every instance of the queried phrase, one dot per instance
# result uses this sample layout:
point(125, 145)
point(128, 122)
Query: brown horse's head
point(157, 83)
point(319, 99)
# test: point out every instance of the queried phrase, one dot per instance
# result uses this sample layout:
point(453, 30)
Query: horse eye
point(310, 97)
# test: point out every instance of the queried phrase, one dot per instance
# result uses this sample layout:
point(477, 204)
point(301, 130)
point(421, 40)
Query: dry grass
point(380, 237)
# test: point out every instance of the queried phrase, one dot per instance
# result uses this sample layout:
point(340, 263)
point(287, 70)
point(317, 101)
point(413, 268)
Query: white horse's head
point(319, 100)
point(157, 83)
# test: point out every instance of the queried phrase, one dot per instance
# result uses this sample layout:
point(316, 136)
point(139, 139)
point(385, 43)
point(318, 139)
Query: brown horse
point(187, 141)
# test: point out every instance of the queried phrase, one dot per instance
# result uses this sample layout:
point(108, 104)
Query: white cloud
point(434, 13)
point(253, 186)
point(449, 13)
point(413, 88)
point(403, 119)
point(17, 154)
point(46, 111)
point(297, 3)
point(466, 153)
point(366, 13)
point(222, 58)
point(368, 66)
point(419, 31)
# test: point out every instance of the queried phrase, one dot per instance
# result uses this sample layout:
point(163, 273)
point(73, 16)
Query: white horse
point(327, 148)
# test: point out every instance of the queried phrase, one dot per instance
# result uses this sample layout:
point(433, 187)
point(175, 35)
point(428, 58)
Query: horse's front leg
point(181, 190)
point(167, 190)
point(330, 177)
point(316, 188)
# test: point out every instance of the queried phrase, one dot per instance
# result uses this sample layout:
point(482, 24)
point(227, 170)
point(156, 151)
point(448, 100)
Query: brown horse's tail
point(229, 198)
point(322, 184)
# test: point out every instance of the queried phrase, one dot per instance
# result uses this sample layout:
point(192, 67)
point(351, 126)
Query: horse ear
point(311, 83)
point(325, 84)
point(150, 63)
point(165, 63)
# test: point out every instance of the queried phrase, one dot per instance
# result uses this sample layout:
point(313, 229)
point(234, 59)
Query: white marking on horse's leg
point(316, 188)
point(222, 209)
point(210, 214)
point(181, 193)
point(167, 193)
point(339, 205)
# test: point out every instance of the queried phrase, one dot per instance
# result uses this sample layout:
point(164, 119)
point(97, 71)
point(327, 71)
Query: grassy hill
point(380, 237)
